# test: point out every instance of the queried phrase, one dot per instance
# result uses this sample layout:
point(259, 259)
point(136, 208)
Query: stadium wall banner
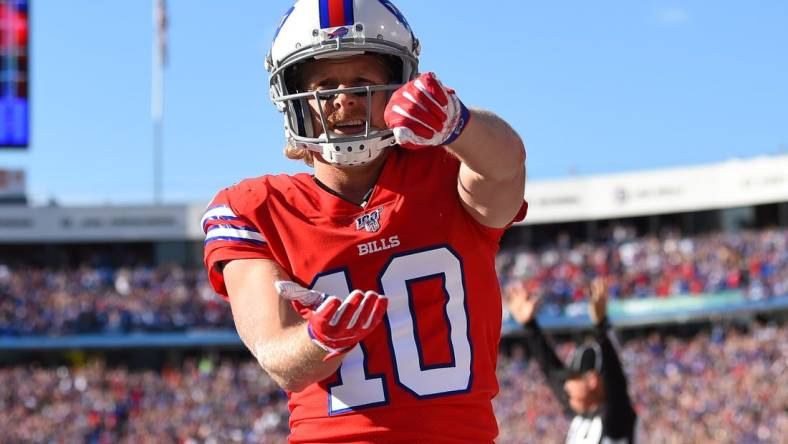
point(114, 341)
point(229, 338)
point(674, 307)
point(653, 310)
point(20, 224)
point(729, 184)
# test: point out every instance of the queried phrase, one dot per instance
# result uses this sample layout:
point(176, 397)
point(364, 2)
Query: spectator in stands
point(592, 386)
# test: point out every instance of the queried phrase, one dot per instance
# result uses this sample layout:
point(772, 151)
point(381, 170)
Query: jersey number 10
point(356, 387)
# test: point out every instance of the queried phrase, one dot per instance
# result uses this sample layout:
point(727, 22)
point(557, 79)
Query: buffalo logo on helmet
point(338, 33)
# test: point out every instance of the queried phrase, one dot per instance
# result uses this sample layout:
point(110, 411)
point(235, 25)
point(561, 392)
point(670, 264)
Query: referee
point(592, 386)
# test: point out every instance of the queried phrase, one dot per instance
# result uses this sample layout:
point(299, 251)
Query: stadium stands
point(40, 301)
point(722, 386)
point(54, 302)
point(753, 261)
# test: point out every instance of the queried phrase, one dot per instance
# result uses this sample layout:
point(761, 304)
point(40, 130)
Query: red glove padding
point(425, 113)
point(336, 326)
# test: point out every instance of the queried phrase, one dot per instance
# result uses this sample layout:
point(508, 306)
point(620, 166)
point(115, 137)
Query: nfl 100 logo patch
point(369, 221)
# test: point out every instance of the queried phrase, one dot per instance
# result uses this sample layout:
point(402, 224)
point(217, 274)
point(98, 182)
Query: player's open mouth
point(350, 127)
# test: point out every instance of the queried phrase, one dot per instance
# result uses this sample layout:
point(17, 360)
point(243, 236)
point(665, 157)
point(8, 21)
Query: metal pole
point(157, 97)
point(157, 161)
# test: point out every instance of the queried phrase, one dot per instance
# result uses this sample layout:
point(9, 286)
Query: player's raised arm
point(492, 175)
point(491, 183)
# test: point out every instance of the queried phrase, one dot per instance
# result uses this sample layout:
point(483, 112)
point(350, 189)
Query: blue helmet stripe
point(282, 22)
point(324, 21)
point(349, 20)
point(396, 12)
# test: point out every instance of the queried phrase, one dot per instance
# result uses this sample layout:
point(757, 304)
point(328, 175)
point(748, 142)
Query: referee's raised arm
point(619, 416)
point(523, 306)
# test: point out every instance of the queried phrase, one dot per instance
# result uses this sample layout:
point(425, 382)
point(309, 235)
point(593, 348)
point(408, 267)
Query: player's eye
point(332, 96)
point(362, 93)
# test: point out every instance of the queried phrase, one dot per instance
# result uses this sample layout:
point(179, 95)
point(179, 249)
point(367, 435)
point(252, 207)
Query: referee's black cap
point(586, 357)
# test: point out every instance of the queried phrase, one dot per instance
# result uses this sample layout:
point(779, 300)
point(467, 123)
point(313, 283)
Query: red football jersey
point(427, 373)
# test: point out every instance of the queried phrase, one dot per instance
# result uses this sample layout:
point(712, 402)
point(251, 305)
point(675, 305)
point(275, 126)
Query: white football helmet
point(315, 29)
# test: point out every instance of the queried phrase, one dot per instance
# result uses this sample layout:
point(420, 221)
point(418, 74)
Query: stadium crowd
point(106, 300)
point(170, 298)
point(724, 387)
point(198, 402)
point(755, 262)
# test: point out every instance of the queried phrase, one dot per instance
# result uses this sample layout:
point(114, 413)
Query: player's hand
point(597, 305)
point(424, 113)
point(335, 326)
point(522, 305)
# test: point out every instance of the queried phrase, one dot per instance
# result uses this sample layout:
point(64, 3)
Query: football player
point(368, 290)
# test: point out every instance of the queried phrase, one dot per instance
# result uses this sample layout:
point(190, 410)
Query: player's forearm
point(490, 147)
point(491, 182)
point(292, 360)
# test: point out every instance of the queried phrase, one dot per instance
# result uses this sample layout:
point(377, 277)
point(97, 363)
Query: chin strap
point(350, 153)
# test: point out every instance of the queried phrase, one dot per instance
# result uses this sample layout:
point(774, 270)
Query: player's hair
point(295, 153)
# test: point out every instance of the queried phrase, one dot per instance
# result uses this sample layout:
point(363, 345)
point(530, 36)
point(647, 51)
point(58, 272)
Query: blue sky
point(593, 88)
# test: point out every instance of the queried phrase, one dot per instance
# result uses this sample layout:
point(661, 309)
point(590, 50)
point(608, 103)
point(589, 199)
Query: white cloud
point(672, 15)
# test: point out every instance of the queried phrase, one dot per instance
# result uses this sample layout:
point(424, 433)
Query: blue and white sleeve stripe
point(221, 212)
point(233, 233)
point(221, 224)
